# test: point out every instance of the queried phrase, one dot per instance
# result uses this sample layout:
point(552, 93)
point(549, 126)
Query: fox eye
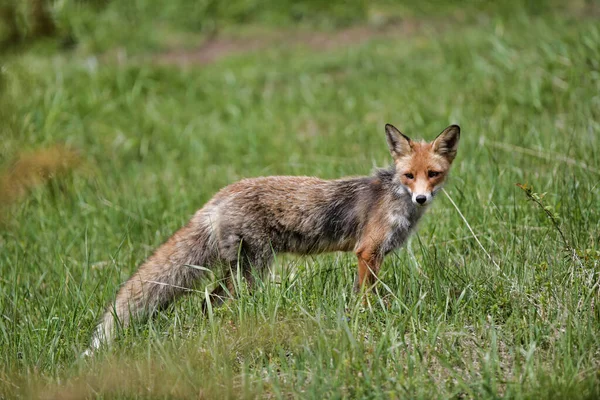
point(409, 176)
point(433, 174)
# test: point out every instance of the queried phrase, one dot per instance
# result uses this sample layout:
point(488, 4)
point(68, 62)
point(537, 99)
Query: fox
point(241, 228)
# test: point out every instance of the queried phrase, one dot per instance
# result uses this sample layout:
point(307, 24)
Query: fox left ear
point(399, 143)
point(446, 143)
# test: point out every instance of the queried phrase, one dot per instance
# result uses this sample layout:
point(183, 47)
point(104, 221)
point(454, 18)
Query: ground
point(109, 147)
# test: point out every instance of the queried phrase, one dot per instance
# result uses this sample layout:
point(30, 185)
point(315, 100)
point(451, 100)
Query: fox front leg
point(369, 263)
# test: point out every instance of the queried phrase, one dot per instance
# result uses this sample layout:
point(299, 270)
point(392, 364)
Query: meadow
point(114, 134)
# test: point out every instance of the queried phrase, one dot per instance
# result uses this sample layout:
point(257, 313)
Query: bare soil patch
point(217, 48)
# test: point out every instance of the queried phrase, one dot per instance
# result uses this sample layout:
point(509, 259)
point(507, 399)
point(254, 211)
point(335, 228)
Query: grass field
point(106, 154)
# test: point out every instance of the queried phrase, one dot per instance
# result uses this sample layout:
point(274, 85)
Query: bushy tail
point(171, 271)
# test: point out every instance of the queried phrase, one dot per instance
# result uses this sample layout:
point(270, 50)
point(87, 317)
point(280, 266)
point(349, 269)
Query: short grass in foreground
point(155, 143)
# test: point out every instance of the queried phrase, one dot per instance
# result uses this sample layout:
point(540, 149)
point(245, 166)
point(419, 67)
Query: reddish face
point(422, 172)
point(422, 167)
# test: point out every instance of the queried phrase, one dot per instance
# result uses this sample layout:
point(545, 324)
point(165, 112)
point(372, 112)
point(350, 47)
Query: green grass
point(155, 143)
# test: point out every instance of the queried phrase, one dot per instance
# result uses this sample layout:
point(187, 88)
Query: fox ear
point(398, 143)
point(446, 143)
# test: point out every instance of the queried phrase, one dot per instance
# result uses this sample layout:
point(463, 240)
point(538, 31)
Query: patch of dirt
point(210, 51)
point(217, 48)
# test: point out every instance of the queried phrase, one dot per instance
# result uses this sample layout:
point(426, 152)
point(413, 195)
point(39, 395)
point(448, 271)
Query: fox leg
point(219, 294)
point(226, 288)
point(252, 262)
point(369, 263)
point(242, 257)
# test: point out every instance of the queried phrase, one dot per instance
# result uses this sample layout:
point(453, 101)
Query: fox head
point(422, 167)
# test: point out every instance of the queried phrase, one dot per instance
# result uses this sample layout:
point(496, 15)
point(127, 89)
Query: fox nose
point(421, 199)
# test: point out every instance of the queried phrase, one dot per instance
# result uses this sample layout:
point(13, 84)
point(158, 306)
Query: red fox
point(246, 222)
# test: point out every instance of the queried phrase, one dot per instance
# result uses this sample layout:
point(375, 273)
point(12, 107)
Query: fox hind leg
point(248, 257)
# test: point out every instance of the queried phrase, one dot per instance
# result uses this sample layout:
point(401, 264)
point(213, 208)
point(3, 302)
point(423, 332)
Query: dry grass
point(36, 168)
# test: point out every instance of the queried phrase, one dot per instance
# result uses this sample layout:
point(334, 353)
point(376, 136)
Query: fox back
point(245, 223)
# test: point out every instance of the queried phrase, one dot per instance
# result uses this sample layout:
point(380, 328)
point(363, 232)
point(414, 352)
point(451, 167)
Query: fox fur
point(246, 222)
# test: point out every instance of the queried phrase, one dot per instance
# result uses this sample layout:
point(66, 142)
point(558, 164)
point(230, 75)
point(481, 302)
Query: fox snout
point(421, 188)
point(421, 199)
point(420, 193)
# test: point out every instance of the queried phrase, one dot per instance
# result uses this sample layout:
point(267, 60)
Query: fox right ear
point(398, 143)
point(447, 142)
